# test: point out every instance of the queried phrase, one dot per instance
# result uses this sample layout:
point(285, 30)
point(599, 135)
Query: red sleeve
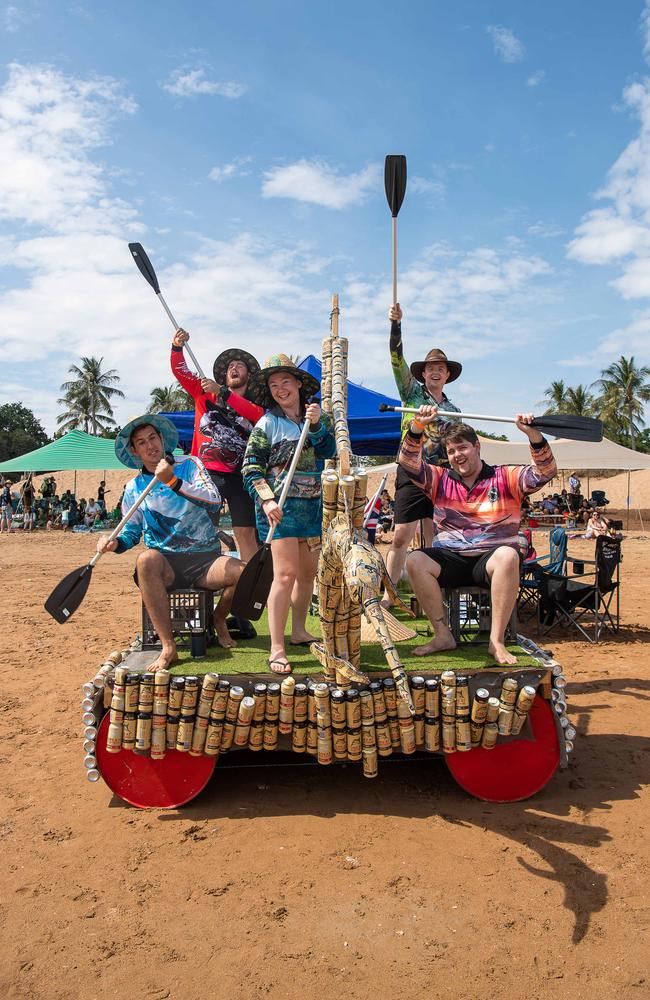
point(251, 411)
point(190, 382)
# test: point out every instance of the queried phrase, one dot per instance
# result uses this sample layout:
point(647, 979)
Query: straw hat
point(165, 428)
point(258, 388)
point(455, 367)
point(221, 363)
point(396, 629)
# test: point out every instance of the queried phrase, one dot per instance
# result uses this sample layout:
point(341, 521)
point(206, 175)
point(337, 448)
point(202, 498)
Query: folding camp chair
point(584, 605)
point(553, 562)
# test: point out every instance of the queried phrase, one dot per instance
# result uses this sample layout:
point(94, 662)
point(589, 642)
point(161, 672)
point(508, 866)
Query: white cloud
point(506, 44)
point(319, 184)
point(226, 171)
point(13, 18)
point(192, 82)
point(435, 189)
point(546, 230)
point(536, 78)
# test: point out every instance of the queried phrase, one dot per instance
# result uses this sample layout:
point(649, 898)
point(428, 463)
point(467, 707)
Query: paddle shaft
point(127, 517)
point(200, 371)
point(453, 415)
point(287, 483)
point(379, 492)
point(394, 260)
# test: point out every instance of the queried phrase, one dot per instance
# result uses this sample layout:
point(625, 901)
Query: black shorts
point(240, 504)
point(411, 502)
point(457, 570)
point(188, 567)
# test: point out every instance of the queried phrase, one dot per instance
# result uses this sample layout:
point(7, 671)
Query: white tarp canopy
point(569, 455)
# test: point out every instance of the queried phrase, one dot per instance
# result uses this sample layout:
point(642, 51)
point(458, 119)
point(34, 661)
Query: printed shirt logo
point(493, 494)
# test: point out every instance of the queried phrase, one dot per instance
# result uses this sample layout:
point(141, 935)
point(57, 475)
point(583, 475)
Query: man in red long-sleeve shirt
point(223, 420)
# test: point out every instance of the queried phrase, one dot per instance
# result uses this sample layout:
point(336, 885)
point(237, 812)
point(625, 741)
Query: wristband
point(417, 426)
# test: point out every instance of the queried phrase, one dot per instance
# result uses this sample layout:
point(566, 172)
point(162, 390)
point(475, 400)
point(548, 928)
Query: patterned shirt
point(271, 447)
point(477, 520)
point(179, 517)
point(414, 393)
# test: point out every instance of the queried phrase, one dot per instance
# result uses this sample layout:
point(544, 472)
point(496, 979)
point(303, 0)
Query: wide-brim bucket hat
point(455, 367)
point(258, 388)
point(165, 428)
point(221, 363)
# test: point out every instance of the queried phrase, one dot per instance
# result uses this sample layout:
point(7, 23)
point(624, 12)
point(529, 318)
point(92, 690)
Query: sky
point(243, 146)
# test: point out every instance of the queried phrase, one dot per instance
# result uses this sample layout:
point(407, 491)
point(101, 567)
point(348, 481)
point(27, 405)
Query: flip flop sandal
point(279, 659)
point(306, 642)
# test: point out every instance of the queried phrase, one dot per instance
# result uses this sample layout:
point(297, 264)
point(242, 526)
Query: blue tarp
point(371, 432)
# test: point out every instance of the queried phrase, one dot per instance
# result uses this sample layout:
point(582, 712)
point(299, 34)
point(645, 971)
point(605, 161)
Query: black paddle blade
point(253, 586)
point(145, 267)
point(567, 425)
point(395, 182)
point(68, 594)
point(385, 408)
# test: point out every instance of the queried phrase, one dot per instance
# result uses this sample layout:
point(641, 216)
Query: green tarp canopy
point(75, 451)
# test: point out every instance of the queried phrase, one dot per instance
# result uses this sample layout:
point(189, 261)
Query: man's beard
point(237, 382)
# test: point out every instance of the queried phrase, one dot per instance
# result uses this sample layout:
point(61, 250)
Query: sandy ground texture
point(295, 883)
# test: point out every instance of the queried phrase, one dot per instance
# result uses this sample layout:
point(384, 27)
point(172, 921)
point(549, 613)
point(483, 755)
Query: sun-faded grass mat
point(251, 656)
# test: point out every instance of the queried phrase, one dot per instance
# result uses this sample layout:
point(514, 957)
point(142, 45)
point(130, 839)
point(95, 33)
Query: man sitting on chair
point(179, 519)
point(476, 518)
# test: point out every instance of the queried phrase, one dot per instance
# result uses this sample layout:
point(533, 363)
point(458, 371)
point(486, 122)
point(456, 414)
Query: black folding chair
point(585, 605)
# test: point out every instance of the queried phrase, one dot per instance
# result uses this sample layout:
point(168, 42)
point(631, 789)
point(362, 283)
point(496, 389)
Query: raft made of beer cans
point(156, 738)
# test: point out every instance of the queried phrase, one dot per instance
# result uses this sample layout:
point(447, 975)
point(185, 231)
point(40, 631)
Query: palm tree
point(169, 399)
point(555, 397)
point(579, 401)
point(88, 396)
point(624, 388)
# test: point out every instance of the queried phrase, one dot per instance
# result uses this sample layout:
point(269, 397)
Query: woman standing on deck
point(284, 390)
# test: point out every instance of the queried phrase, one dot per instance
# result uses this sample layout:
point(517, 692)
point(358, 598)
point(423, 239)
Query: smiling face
point(147, 446)
point(285, 389)
point(237, 376)
point(464, 458)
point(435, 375)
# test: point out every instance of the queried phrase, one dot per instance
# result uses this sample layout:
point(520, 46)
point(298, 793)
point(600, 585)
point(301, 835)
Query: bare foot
point(303, 639)
point(387, 603)
point(279, 664)
point(168, 656)
point(224, 637)
point(442, 641)
point(501, 654)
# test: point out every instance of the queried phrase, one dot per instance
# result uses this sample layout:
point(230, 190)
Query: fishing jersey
point(180, 517)
point(488, 515)
point(414, 393)
point(222, 423)
point(269, 452)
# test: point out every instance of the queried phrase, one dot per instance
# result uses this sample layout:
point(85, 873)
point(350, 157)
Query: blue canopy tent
point(371, 432)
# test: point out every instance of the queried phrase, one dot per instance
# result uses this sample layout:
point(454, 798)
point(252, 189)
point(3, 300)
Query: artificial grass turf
point(250, 656)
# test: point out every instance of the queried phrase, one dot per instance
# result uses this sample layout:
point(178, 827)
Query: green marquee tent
point(73, 452)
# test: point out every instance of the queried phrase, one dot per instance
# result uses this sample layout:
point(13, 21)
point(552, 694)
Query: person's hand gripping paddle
point(395, 184)
point(145, 267)
point(254, 584)
point(70, 592)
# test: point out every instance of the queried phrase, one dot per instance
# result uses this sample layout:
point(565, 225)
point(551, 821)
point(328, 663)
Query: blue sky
point(243, 145)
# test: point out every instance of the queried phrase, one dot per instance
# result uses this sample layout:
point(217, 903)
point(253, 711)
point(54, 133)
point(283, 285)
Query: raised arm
point(190, 382)
point(401, 371)
point(195, 483)
point(423, 474)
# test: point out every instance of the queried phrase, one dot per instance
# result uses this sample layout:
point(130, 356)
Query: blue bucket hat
point(165, 428)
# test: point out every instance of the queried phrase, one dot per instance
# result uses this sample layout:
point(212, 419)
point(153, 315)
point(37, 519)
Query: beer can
point(90, 746)
point(131, 692)
point(418, 694)
point(509, 692)
point(463, 733)
point(158, 741)
point(213, 737)
point(431, 734)
point(116, 715)
point(382, 735)
point(492, 713)
point(161, 692)
point(143, 732)
point(206, 697)
point(175, 696)
point(271, 730)
point(352, 708)
point(114, 737)
point(256, 735)
point(490, 734)
point(259, 696)
point(504, 723)
point(199, 736)
point(93, 775)
point(368, 737)
point(418, 725)
point(244, 718)
point(190, 696)
point(88, 704)
point(379, 702)
point(340, 742)
point(145, 694)
point(370, 762)
point(311, 702)
point(184, 735)
point(272, 708)
point(449, 736)
point(367, 706)
point(390, 695)
point(90, 761)
point(90, 733)
point(431, 698)
point(393, 728)
point(287, 688)
point(89, 690)
point(324, 746)
point(172, 731)
point(300, 703)
point(354, 743)
point(525, 699)
point(462, 695)
point(407, 734)
point(299, 733)
point(129, 730)
point(338, 708)
point(478, 715)
point(235, 696)
point(119, 679)
point(322, 700)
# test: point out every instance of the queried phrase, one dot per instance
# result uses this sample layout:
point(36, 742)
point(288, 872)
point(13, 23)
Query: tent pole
point(588, 493)
point(74, 490)
point(627, 527)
